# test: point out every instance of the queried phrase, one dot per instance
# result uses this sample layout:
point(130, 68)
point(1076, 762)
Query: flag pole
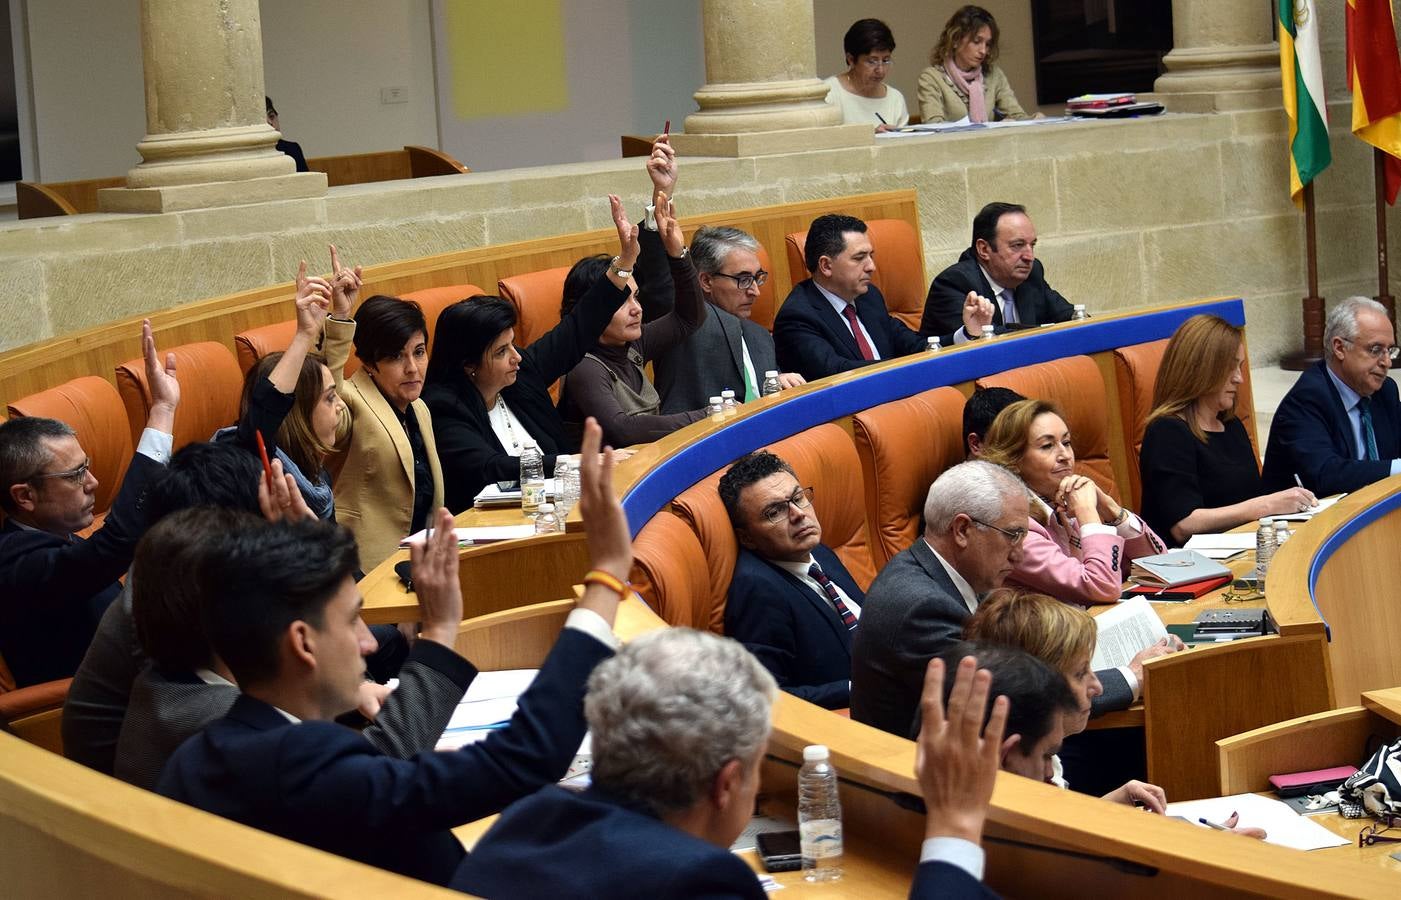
point(1312, 304)
point(1383, 278)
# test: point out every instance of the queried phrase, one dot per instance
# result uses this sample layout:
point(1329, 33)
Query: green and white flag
point(1302, 69)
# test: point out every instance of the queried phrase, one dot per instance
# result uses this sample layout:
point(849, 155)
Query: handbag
point(1375, 789)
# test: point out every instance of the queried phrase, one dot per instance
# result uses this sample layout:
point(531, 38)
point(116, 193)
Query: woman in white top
point(861, 92)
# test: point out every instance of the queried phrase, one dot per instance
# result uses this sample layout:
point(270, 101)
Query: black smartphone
point(405, 572)
point(781, 851)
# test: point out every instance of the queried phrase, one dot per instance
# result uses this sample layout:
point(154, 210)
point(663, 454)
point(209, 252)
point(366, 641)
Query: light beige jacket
point(940, 101)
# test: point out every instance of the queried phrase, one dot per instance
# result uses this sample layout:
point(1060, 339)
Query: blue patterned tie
point(1364, 412)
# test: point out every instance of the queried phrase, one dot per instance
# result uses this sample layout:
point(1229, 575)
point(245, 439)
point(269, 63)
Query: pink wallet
point(1297, 784)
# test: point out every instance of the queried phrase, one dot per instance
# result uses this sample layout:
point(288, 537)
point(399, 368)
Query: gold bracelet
point(604, 579)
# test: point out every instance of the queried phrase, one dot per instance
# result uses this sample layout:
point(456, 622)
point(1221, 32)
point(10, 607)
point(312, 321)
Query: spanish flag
point(1374, 77)
point(1302, 69)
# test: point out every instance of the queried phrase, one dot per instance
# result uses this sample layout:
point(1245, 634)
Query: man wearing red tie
point(791, 603)
point(836, 320)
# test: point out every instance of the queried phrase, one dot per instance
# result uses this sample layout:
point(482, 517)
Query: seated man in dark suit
point(975, 518)
point(54, 585)
point(285, 619)
point(836, 320)
point(680, 722)
point(1339, 427)
point(1001, 265)
point(791, 603)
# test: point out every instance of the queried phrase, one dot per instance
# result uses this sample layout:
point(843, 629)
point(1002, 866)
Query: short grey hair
point(975, 488)
point(22, 451)
point(1342, 318)
point(713, 244)
point(670, 710)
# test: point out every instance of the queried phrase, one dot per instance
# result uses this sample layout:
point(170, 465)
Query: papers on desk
point(1123, 631)
point(1310, 512)
point(1221, 546)
point(1283, 827)
point(484, 534)
point(493, 496)
point(964, 124)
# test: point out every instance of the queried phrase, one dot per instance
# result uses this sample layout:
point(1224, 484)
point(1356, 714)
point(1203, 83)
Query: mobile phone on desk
point(780, 851)
point(405, 572)
point(1246, 583)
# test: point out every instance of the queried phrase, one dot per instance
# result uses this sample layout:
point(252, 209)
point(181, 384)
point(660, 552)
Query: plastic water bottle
point(546, 522)
point(728, 406)
point(932, 344)
point(1264, 550)
point(771, 385)
point(566, 487)
point(987, 332)
point(716, 409)
point(819, 816)
point(1079, 313)
point(1282, 533)
point(532, 479)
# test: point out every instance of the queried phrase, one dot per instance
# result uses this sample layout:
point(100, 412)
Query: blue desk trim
point(691, 464)
point(1337, 539)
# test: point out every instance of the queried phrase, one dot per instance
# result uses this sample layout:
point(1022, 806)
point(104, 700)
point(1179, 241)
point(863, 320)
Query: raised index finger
point(335, 261)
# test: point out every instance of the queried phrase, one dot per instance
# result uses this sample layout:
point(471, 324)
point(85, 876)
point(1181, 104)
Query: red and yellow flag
point(1374, 77)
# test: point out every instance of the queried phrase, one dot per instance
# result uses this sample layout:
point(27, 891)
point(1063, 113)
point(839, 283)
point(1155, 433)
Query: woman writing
point(1080, 540)
point(1198, 467)
point(609, 383)
point(490, 399)
point(962, 80)
point(861, 92)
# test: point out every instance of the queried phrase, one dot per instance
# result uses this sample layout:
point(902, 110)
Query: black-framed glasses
point(744, 280)
point(1015, 535)
point(75, 476)
point(802, 499)
point(1376, 834)
point(1377, 351)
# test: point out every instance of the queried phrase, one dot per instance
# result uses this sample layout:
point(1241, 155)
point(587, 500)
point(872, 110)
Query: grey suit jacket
point(712, 360)
point(912, 612)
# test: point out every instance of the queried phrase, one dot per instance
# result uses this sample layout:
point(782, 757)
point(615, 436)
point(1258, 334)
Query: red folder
point(1182, 592)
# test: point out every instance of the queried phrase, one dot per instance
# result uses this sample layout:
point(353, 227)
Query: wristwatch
point(615, 269)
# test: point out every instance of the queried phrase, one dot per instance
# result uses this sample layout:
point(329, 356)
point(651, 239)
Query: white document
point(482, 534)
point(1123, 631)
point(1310, 512)
point(1221, 546)
point(492, 495)
point(1282, 825)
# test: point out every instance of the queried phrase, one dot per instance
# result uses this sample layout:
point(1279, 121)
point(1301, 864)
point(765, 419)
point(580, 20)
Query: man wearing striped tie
point(791, 601)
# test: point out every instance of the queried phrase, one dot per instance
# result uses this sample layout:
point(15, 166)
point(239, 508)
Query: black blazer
point(558, 844)
point(468, 449)
point(324, 785)
point(1037, 303)
point(813, 340)
point(54, 591)
point(1312, 437)
point(796, 634)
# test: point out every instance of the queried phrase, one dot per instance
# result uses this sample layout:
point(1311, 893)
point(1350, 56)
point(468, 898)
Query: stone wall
point(1140, 212)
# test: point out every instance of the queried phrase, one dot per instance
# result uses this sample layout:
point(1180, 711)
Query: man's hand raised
point(956, 758)
point(433, 564)
point(165, 387)
point(605, 523)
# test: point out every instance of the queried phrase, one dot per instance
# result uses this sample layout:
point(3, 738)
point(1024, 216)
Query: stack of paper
point(1311, 511)
point(492, 495)
point(1221, 546)
point(482, 534)
point(1282, 825)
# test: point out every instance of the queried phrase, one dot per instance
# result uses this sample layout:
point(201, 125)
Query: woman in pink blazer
point(1079, 541)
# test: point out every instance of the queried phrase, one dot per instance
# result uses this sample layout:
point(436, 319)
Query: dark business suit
point(558, 844)
point(712, 360)
point(944, 881)
point(324, 785)
point(812, 339)
point(912, 612)
point(796, 634)
point(1037, 303)
point(53, 591)
point(1312, 437)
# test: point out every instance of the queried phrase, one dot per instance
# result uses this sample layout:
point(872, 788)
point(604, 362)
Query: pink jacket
point(1095, 571)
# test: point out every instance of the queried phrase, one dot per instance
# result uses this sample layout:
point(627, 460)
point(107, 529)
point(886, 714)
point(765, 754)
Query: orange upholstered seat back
point(536, 297)
point(1075, 386)
point(436, 299)
point(899, 266)
point(904, 445)
point(255, 343)
point(669, 571)
point(210, 386)
point(766, 307)
point(700, 508)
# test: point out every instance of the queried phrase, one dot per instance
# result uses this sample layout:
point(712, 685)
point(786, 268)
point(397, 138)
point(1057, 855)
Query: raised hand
point(345, 287)
point(165, 387)
point(956, 757)
point(280, 499)
point(628, 248)
point(605, 523)
point(977, 312)
point(661, 167)
point(313, 302)
point(672, 238)
point(433, 567)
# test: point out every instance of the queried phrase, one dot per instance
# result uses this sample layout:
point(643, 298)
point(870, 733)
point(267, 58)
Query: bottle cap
point(727, 393)
point(987, 329)
point(714, 400)
point(1080, 307)
point(814, 753)
point(771, 373)
point(546, 507)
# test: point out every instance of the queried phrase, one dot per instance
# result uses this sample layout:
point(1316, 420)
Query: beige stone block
point(176, 197)
point(799, 167)
point(243, 221)
point(399, 201)
point(87, 233)
point(1347, 245)
point(1255, 177)
point(719, 200)
point(1349, 179)
point(771, 143)
point(1240, 258)
point(1102, 271)
point(535, 222)
point(1255, 122)
point(1064, 140)
point(1032, 184)
point(84, 291)
point(22, 304)
point(706, 174)
point(371, 245)
point(1137, 189)
point(1273, 326)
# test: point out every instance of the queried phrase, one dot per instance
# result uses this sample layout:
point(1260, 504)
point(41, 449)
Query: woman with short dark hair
point(491, 398)
point(861, 92)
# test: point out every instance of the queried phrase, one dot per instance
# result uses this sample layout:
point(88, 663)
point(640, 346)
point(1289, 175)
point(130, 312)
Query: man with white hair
point(975, 519)
point(680, 724)
point(1339, 427)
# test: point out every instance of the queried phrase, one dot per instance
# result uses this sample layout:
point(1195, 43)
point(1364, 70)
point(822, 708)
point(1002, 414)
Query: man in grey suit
point(975, 519)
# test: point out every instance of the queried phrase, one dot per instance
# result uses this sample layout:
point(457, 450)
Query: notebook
point(1175, 568)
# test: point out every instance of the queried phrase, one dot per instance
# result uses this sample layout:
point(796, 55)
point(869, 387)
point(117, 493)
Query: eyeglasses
point(802, 499)
point(1014, 535)
point(1377, 351)
point(873, 63)
point(744, 281)
point(74, 476)
point(1376, 834)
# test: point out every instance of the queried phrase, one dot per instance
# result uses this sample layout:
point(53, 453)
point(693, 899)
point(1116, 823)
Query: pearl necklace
point(506, 419)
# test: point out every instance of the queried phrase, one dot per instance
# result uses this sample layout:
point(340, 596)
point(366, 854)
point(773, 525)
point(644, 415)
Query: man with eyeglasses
point(1339, 427)
point(791, 602)
point(975, 519)
point(54, 585)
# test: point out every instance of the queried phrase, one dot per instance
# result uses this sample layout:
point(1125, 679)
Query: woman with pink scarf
point(962, 80)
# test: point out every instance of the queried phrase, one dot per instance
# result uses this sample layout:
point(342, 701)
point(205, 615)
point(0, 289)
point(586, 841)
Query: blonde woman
point(962, 78)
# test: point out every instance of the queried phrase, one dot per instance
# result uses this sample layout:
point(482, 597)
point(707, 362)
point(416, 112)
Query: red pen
point(667, 129)
point(263, 452)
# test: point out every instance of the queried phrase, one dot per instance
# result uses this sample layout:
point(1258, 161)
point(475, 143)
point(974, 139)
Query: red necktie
point(850, 312)
point(848, 619)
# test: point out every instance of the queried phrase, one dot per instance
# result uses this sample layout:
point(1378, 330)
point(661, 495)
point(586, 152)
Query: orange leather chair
point(255, 343)
point(93, 409)
point(210, 387)
point(899, 266)
point(1076, 387)
point(700, 508)
point(436, 299)
point(669, 571)
point(536, 297)
point(904, 445)
point(766, 307)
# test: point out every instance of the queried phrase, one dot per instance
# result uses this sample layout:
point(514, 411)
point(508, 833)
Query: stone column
point(207, 139)
point(761, 79)
point(1220, 48)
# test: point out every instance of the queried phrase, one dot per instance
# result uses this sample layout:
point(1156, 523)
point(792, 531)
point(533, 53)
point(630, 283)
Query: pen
point(666, 129)
point(1213, 825)
point(1297, 480)
point(882, 119)
point(263, 452)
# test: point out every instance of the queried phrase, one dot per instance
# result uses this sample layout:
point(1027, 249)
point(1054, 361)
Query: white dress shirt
point(799, 570)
